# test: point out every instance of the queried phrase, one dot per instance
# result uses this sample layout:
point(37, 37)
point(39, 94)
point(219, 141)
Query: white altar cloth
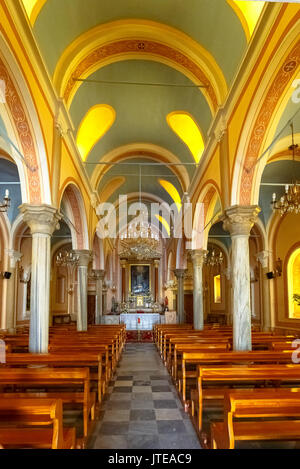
point(141, 321)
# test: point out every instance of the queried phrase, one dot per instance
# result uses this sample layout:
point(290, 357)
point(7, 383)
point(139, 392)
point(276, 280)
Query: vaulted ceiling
point(171, 42)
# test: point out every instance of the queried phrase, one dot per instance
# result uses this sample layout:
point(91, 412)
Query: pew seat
point(244, 418)
point(34, 423)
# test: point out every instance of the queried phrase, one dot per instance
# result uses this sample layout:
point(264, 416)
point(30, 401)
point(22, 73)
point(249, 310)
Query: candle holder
point(6, 202)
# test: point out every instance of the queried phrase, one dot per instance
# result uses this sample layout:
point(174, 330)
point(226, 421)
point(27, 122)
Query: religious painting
point(140, 279)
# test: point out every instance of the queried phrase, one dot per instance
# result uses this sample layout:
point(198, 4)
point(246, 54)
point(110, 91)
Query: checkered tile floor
point(142, 410)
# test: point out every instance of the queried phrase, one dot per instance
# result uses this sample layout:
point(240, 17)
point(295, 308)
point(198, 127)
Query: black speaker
point(7, 275)
point(270, 275)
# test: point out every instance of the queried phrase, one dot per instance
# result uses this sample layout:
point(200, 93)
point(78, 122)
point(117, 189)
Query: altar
point(140, 321)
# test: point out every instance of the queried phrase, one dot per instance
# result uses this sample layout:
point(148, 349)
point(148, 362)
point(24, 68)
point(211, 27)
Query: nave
point(142, 409)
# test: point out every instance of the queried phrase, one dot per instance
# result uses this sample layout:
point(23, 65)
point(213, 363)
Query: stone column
point(238, 220)
point(11, 318)
point(84, 258)
point(123, 265)
point(156, 267)
point(179, 273)
point(99, 276)
point(198, 258)
point(263, 258)
point(42, 220)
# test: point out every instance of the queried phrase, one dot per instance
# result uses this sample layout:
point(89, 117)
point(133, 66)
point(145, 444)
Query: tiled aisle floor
point(142, 410)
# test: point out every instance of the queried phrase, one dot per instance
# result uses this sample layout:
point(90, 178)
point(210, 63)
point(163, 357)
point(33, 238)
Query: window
point(293, 271)
point(217, 289)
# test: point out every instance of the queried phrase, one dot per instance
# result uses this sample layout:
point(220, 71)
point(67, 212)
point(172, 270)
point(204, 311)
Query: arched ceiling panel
point(141, 111)
point(150, 176)
point(212, 23)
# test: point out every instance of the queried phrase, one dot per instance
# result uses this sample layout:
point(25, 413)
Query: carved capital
point(41, 219)
point(221, 128)
point(84, 257)
point(179, 273)
point(14, 257)
point(263, 258)
point(156, 264)
point(239, 219)
point(198, 256)
point(99, 274)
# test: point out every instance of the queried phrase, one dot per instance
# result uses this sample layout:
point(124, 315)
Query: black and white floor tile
point(142, 409)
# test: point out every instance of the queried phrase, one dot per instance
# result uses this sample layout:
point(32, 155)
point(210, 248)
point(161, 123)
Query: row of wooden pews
point(38, 390)
point(234, 396)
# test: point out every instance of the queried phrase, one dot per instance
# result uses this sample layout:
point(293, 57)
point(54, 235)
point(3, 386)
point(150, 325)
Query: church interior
point(149, 224)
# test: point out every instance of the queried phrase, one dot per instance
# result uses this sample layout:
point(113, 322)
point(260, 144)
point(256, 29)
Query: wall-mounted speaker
point(5, 275)
point(270, 275)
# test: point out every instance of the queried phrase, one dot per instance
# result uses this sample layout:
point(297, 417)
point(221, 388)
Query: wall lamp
point(277, 272)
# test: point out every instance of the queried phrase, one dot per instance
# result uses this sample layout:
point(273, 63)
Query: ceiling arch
point(145, 150)
point(144, 40)
point(72, 18)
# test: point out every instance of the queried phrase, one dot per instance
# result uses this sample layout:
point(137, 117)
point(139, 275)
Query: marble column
point(179, 273)
point(11, 318)
point(123, 265)
point(263, 258)
point(239, 220)
point(99, 276)
point(198, 258)
point(84, 258)
point(42, 220)
point(156, 267)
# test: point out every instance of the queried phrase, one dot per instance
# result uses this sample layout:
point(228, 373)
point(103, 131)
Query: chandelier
point(139, 242)
point(6, 202)
point(212, 259)
point(290, 201)
point(67, 258)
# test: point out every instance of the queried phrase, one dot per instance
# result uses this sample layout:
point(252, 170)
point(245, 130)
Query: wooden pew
point(61, 379)
point(244, 414)
point(213, 382)
point(67, 359)
point(196, 347)
point(192, 360)
point(34, 423)
point(75, 348)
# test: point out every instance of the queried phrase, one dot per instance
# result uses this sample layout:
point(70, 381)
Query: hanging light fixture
point(212, 259)
point(290, 201)
point(6, 202)
point(65, 258)
point(139, 241)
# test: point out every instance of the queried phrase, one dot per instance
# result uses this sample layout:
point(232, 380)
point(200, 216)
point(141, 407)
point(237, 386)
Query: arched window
point(293, 271)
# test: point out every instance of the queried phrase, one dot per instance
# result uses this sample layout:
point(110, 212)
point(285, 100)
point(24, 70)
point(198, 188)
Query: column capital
point(239, 219)
point(84, 257)
point(156, 263)
point(41, 219)
point(263, 258)
point(99, 274)
point(198, 256)
point(179, 273)
point(14, 257)
point(123, 263)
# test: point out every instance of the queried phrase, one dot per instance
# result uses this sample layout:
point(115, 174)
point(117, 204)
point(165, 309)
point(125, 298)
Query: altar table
point(141, 321)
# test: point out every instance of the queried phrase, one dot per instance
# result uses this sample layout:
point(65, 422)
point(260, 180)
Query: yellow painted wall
point(288, 235)
point(15, 42)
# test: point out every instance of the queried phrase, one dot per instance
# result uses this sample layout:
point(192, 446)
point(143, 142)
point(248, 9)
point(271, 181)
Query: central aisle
point(142, 410)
